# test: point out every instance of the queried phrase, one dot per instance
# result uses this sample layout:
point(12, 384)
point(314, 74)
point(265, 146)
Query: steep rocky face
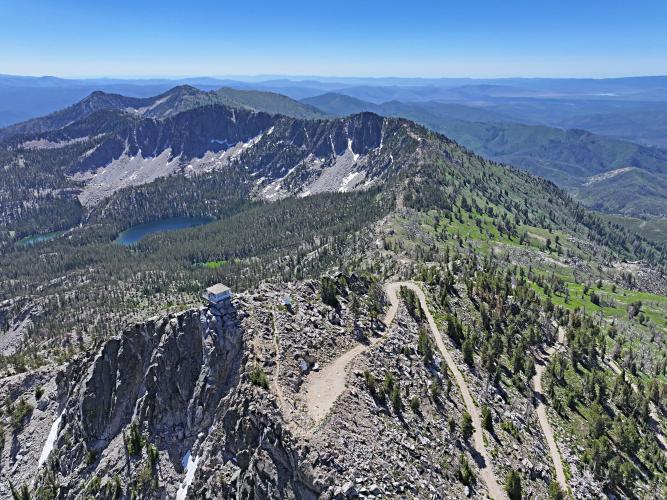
point(117, 147)
point(251, 454)
point(181, 403)
point(346, 154)
point(145, 399)
point(189, 134)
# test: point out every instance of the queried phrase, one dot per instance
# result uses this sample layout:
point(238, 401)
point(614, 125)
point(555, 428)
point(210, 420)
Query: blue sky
point(491, 38)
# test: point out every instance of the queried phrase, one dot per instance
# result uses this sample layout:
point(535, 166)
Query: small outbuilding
point(217, 293)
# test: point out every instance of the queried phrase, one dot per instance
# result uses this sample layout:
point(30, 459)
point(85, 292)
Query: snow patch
point(190, 467)
point(50, 441)
point(123, 172)
point(347, 179)
point(349, 148)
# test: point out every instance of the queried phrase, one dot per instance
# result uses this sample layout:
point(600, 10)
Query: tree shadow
point(476, 456)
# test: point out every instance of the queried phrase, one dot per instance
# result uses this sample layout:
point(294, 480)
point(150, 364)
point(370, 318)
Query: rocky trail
point(328, 384)
point(541, 410)
point(484, 457)
point(275, 384)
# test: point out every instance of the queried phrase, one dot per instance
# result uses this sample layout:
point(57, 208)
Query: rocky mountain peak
point(158, 384)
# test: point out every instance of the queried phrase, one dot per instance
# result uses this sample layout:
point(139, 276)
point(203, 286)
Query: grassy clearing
point(212, 264)
point(613, 302)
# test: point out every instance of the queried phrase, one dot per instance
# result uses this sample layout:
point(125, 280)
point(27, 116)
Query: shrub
point(487, 420)
point(328, 291)
point(134, 441)
point(555, 493)
point(388, 382)
point(415, 404)
point(465, 472)
point(395, 397)
point(466, 426)
point(513, 485)
point(370, 382)
point(94, 485)
point(468, 352)
point(435, 390)
point(153, 455)
point(424, 346)
point(411, 303)
point(258, 377)
point(19, 412)
point(509, 427)
point(23, 493)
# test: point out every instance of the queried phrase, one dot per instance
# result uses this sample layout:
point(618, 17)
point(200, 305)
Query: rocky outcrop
point(251, 454)
point(167, 409)
point(144, 400)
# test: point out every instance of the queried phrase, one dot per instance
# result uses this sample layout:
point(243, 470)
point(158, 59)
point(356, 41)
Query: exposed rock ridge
point(166, 378)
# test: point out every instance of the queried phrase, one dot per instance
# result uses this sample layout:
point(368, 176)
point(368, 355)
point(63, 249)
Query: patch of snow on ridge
point(50, 441)
point(123, 172)
point(46, 144)
point(347, 179)
point(190, 467)
point(349, 147)
point(143, 110)
point(344, 174)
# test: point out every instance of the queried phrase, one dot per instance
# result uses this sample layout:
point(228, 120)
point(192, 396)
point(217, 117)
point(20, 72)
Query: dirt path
point(542, 412)
point(326, 385)
point(282, 403)
point(485, 470)
point(652, 409)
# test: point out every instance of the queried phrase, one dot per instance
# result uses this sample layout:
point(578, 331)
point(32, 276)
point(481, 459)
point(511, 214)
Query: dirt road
point(325, 386)
point(542, 412)
point(486, 470)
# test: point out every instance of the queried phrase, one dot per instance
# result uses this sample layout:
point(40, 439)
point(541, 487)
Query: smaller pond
point(39, 238)
point(136, 233)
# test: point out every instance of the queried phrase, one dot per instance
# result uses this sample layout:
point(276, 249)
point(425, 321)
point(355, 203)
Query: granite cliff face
point(157, 386)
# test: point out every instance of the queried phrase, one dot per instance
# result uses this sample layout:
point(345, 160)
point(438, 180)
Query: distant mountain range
point(605, 173)
point(614, 106)
point(170, 103)
point(106, 142)
point(69, 162)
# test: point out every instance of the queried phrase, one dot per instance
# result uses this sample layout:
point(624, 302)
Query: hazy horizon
point(323, 77)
